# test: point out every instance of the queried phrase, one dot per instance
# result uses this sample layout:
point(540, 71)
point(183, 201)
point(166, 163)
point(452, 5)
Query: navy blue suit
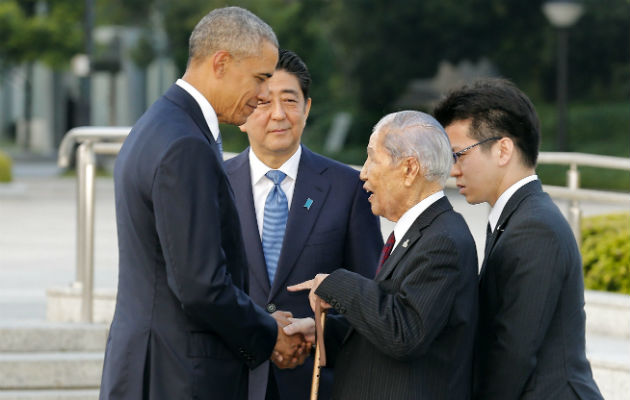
point(184, 326)
point(337, 231)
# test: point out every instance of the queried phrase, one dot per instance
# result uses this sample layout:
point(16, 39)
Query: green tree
point(31, 31)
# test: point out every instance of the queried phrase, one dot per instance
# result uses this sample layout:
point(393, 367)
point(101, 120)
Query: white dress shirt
point(410, 216)
point(261, 185)
point(495, 213)
point(206, 108)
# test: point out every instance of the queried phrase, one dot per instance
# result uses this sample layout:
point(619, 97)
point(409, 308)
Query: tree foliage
point(362, 54)
point(50, 32)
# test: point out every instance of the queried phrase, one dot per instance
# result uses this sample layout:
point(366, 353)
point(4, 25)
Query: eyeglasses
point(458, 154)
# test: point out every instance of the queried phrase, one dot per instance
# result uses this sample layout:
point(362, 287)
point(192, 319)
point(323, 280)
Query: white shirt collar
point(206, 108)
point(410, 216)
point(259, 169)
point(495, 213)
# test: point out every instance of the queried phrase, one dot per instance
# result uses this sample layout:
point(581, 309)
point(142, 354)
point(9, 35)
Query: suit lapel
point(183, 99)
point(510, 208)
point(412, 236)
point(240, 174)
point(310, 184)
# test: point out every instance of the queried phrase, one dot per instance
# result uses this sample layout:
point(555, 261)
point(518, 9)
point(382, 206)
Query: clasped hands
point(296, 336)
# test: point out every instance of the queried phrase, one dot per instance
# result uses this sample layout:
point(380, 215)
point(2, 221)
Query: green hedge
point(606, 252)
point(5, 167)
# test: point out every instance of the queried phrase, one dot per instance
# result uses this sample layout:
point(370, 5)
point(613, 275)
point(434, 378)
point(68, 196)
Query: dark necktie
point(387, 250)
point(274, 222)
point(488, 238)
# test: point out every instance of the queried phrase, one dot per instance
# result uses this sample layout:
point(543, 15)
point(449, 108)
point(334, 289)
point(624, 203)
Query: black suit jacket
point(183, 326)
point(531, 302)
point(409, 333)
point(338, 230)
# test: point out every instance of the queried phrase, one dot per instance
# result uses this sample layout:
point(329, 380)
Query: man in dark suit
point(329, 223)
point(530, 342)
point(407, 334)
point(184, 326)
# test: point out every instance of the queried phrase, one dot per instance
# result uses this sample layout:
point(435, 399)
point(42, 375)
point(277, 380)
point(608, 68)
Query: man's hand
point(290, 350)
point(312, 285)
point(304, 326)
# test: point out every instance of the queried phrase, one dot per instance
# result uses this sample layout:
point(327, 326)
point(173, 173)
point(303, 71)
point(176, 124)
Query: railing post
point(85, 231)
point(575, 213)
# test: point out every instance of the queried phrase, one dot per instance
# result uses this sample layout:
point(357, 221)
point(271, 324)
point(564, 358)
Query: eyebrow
point(266, 75)
point(290, 91)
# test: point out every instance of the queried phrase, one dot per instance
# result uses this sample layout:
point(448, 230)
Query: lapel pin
point(308, 204)
point(405, 243)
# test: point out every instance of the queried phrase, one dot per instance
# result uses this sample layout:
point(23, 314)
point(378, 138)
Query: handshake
point(296, 336)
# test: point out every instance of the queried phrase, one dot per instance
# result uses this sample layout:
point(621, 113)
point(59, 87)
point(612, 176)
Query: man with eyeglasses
point(530, 338)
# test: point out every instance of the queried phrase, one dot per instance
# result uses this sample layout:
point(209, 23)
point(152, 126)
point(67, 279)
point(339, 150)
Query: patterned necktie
point(220, 144)
point(387, 250)
point(274, 222)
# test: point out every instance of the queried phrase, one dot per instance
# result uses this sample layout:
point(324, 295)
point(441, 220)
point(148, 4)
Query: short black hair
point(290, 62)
point(497, 108)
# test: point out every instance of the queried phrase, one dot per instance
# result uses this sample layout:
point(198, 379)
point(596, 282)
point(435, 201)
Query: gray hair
point(419, 135)
point(233, 29)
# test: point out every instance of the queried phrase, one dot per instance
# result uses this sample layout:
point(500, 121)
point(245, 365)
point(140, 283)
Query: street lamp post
point(562, 14)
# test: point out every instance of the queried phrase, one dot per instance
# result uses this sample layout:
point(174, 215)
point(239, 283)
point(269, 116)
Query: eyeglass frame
point(458, 154)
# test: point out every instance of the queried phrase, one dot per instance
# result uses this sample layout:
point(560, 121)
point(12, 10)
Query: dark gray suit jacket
point(183, 327)
point(409, 333)
point(531, 306)
point(338, 230)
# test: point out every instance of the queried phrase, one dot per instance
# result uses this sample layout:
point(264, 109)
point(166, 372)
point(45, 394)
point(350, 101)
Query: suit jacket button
point(271, 308)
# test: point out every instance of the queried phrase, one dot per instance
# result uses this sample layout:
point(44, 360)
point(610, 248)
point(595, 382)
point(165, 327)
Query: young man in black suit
point(530, 341)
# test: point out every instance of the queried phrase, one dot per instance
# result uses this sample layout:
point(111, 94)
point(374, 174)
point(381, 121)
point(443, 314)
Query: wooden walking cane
point(320, 351)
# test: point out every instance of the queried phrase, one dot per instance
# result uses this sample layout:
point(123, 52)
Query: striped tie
point(387, 250)
point(274, 222)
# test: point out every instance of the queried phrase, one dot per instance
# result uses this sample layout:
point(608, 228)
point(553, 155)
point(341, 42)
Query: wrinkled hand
point(312, 285)
point(290, 350)
point(305, 326)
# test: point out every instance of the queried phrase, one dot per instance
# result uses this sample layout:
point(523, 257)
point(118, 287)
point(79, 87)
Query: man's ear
point(506, 150)
point(411, 169)
point(307, 109)
point(220, 61)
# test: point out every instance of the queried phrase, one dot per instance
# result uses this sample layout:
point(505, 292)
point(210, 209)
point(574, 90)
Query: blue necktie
point(220, 144)
point(274, 222)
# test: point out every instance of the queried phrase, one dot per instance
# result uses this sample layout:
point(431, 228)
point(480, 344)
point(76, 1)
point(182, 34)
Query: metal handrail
point(92, 134)
point(584, 160)
point(91, 140)
point(108, 140)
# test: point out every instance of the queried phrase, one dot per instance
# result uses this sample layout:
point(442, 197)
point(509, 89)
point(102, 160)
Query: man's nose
point(263, 90)
point(363, 173)
point(455, 170)
point(277, 111)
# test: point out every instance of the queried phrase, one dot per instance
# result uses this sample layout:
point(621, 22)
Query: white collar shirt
point(261, 185)
point(410, 216)
point(206, 108)
point(495, 213)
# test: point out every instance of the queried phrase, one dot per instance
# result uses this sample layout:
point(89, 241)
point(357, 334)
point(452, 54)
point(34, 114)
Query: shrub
point(5, 167)
point(606, 252)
